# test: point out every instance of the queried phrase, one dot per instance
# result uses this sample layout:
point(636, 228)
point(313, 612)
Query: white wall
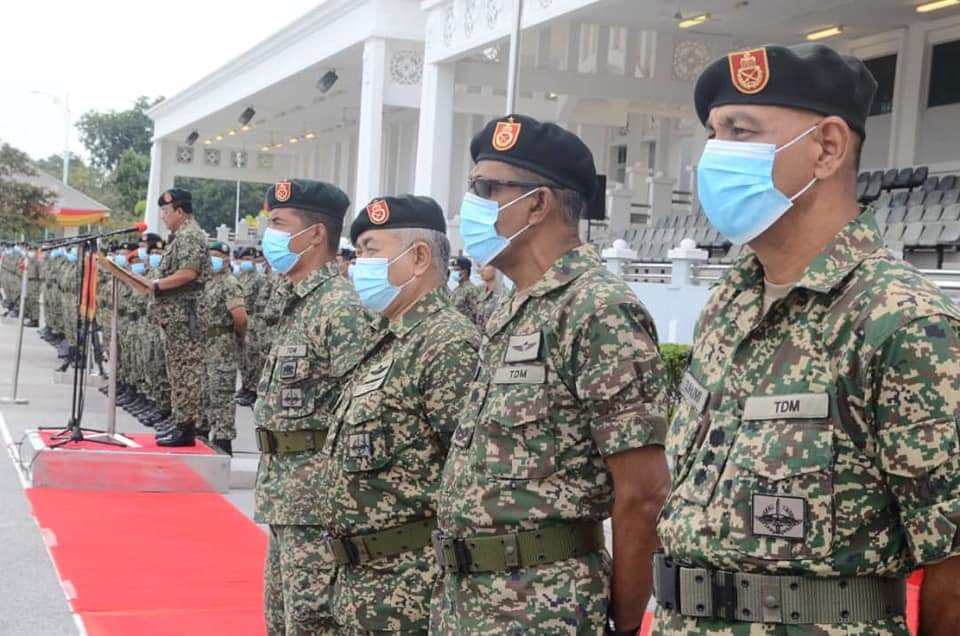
point(939, 138)
point(876, 150)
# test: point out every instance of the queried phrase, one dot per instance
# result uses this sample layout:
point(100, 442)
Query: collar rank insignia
point(749, 70)
point(505, 135)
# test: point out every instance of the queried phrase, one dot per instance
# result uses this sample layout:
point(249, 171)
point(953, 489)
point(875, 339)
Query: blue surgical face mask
point(276, 249)
point(235, 266)
point(72, 255)
point(246, 266)
point(142, 253)
point(735, 187)
point(371, 279)
point(478, 227)
point(121, 260)
point(216, 263)
point(261, 268)
point(138, 268)
point(155, 260)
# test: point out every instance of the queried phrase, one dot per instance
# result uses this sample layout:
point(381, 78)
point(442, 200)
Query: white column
point(435, 134)
point(662, 152)
point(370, 145)
point(907, 102)
point(154, 188)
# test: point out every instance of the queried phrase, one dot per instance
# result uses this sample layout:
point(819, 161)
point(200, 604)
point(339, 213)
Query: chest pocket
point(463, 436)
point(519, 439)
point(365, 441)
point(296, 390)
point(781, 489)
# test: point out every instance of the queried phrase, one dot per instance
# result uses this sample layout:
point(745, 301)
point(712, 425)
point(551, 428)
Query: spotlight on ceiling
point(325, 83)
point(192, 138)
point(927, 7)
point(693, 21)
point(829, 32)
point(246, 116)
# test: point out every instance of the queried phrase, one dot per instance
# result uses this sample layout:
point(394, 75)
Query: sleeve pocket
point(916, 449)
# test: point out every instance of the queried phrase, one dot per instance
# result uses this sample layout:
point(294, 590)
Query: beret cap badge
point(167, 197)
point(379, 212)
point(749, 70)
point(284, 189)
point(505, 135)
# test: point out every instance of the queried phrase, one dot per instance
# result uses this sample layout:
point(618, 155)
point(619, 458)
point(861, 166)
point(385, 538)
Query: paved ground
point(31, 600)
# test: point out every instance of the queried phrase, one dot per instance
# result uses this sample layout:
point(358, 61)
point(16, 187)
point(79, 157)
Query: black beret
point(810, 77)
point(462, 262)
point(175, 196)
point(394, 213)
point(304, 194)
point(543, 148)
point(154, 242)
point(130, 246)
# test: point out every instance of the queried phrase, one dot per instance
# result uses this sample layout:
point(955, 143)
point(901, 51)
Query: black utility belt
point(766, 598)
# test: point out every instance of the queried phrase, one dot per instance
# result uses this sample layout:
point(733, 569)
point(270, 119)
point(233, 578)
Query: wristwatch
point(156, 287)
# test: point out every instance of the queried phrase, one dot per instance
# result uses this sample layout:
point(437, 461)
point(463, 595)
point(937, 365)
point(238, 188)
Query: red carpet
point(147, 442)
point(152, 564)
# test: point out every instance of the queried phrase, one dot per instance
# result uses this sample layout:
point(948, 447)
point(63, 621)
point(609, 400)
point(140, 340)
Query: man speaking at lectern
point(183, 271)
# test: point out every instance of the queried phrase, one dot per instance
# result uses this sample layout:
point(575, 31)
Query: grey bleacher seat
point(914, 213)
point(933, 198)
point(951, 212)
point(904, 178)
point(931, 183)
point(918, 176)
point(949, 182)
point(930, 236)
point(667, 242)
point(876, 175)
point(894, 233)
point(871, 193)
point(861, 189)
point(951, 233)
point(897, 214)
point(916, 198)
point(863, 177)
point(889, 178)
point(700, 235)
point(711, 237)
point(950, 196)
point(912, 234)
point(931, 213)
point(899, 199)
point(881, 215)
point(884, 200)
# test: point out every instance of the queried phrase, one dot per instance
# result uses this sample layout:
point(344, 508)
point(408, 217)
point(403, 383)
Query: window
point(944, 88)
point(884, 70)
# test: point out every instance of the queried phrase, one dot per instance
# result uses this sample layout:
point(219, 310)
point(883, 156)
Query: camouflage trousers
point(386, 596)
point(251, 363)
point(221, 409)
point(667, 623)
point(566, 597)
point(186, 372)
point(297, 579)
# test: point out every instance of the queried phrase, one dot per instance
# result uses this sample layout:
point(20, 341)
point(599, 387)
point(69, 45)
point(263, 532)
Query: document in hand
point(137, 283)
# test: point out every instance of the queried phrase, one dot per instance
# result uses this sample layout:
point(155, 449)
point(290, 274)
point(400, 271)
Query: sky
point(103, 54)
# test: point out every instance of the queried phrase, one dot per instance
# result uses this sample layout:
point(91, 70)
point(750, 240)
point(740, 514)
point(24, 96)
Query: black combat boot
point(225, 445)
point(185, 435)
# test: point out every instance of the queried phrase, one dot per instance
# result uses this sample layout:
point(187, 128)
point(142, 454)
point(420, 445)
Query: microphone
point(139, 228)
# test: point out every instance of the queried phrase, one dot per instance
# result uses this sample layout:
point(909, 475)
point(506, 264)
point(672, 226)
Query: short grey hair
point(438, 242)
point(572, 203)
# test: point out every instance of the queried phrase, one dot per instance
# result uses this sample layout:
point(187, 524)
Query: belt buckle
point(666, 581)
point(266, 434)
point(460, 564)
point(724, 595)
point(346, 548)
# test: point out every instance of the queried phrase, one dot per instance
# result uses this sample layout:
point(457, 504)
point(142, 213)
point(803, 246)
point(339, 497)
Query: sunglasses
point(484, 187)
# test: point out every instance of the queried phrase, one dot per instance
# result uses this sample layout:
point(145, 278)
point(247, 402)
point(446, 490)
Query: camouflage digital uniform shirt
point(187, 249)
point(318, 341)
point(570, 373)
point(819, 439)
point(465, 298)
point(222, 294)
point(387, 452)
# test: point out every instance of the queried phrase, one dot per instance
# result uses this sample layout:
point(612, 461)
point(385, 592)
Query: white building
point(415, 80)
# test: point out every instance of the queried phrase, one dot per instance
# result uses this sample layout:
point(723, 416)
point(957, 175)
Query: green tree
point(675, 359)
point(106, 135)
point(215, 200)
point(23, 206)
point(130, 178)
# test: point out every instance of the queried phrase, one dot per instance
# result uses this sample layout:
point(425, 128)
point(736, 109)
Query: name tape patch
point(292, 351)
point(520, 374)
point(794, 406)
point(694, 392)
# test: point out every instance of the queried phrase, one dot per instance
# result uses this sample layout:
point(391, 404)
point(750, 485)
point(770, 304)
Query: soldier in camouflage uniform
point(31, 310)
point(464, 295)
point(251, 280)
point(394, 421)
point(565, 425)
point(157, 383)
point(267, 312)
point(490, 296)
point(318, 341)
point(816, 458)
point(184, 270)
point(69, 285)
point(225, 321)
